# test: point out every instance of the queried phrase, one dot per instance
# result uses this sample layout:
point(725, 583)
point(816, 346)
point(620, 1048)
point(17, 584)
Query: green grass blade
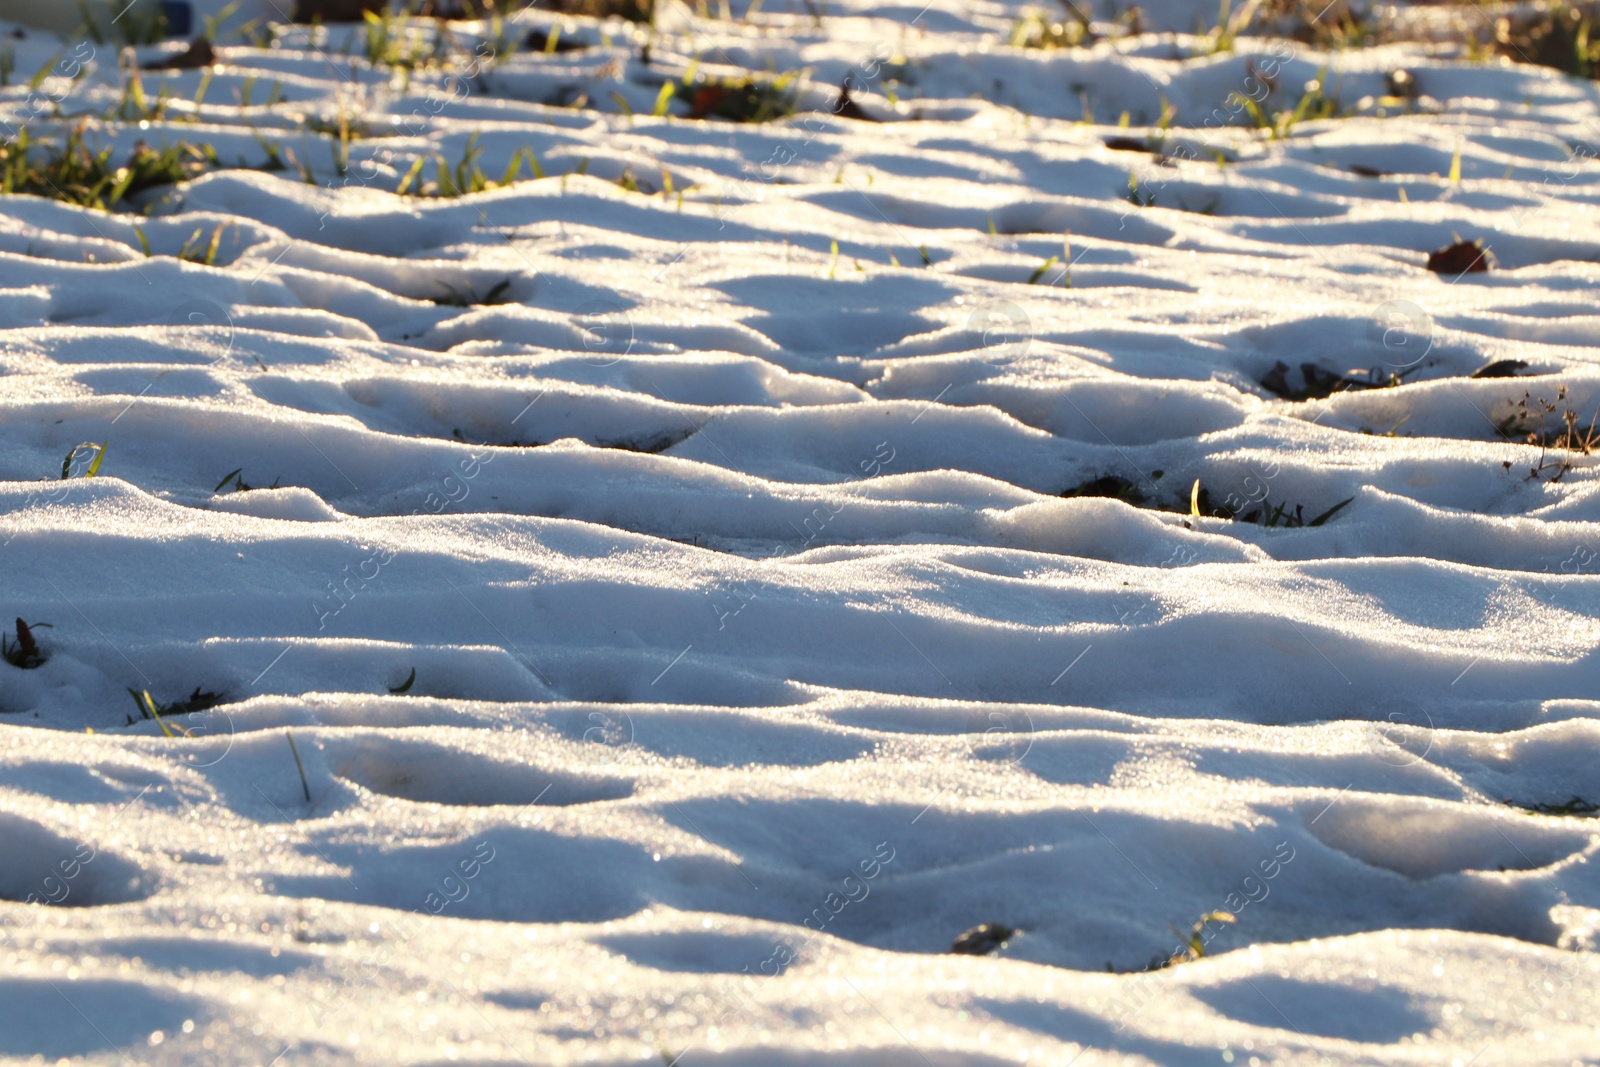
point(410, 176)
point(1331, 512)
point(663, 98)
point(301, 767)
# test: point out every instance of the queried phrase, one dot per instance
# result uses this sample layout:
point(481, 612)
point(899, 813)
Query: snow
point(652, 627)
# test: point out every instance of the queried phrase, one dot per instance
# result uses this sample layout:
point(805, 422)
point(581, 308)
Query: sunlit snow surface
point(756, 652)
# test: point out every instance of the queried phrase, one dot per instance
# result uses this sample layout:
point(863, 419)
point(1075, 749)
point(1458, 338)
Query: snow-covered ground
point(701, 583)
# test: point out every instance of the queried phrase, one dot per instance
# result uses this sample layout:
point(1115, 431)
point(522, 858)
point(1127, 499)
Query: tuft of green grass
point(1576, 805)
point(1135, 197)
point(749, 100)
point(1275, 516)
point(1321, 384)
point(1035, 29)
point(1315, 22)
point(465, 297)
point(1191, 947)
point(135, 106)
point(236, 479)
point(23, 653)
point(1229, 25)
point(247, 94)
point(1559, 35)
point(1265, 513)
point(466, 177)
point(394, 40)
point(1194, 943)
point(147, 25)
point(94, 464)
point(1112, 486)
point(273, 150)
point(199, 700)
point(1039, 272)
point(1314, 104)
point(149, 708)
point(1199, 504)
point(75, 173)
point(193, 252)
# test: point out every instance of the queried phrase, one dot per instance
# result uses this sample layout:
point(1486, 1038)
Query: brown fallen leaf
point(982, 940)
point(459, 10)
point(25, 639)
point(1319, 383)
point(1463, 257)
point(334, 10)
point(847, 108)
point(539, 41)
point(1129, 144)
point(198, 54)
point(1501, 368)
point(24, 653)
point(706, 100)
